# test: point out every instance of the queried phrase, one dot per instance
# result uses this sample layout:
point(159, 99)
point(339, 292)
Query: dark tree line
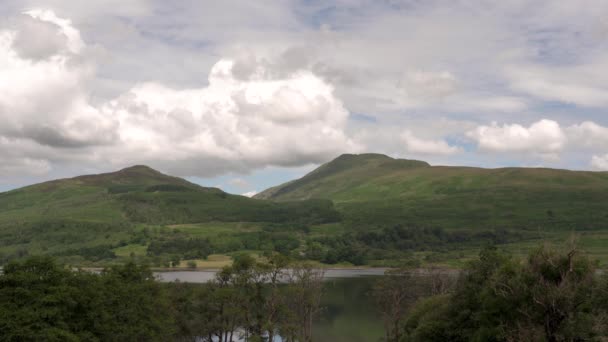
point(360, 247)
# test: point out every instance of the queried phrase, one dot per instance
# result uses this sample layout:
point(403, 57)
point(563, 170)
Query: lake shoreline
point(354, 268)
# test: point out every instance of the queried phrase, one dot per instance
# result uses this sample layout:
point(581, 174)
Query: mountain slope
point(106, 210)
point(372, 189)
point(342, 175)
point(93, 198)
point(138, 194)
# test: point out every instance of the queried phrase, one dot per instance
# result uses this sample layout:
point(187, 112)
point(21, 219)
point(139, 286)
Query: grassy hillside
point(371, 189)
point(92, 215)
point(358, 209)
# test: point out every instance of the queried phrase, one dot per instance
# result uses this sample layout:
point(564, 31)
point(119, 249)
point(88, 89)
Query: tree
point(303, 301)
point(397, 291)
point(551, 296)
point(36, 302)
point(134, 305)
point(393, 294)
point(40, 300)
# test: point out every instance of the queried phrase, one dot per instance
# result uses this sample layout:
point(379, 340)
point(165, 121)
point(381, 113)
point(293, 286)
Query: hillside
point(373, 189)
point(358, 209)
point(97, 213)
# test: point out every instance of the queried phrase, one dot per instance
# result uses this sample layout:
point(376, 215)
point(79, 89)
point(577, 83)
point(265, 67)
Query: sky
point(244, 95)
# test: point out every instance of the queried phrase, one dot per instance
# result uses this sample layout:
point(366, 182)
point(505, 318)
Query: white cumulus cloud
point(232, 124)
point(544, 137)
point(44, 99)
point(588, 134)
point(417, 145)
point(600, 162)
point(250, 193)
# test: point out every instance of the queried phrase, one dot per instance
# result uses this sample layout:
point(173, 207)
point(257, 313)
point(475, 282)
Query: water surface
point(206, 276)
point(348, 313)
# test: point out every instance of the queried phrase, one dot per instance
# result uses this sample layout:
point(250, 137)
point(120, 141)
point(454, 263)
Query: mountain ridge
point(378, 188)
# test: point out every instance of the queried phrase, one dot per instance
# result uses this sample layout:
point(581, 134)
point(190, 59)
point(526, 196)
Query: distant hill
point(86, 212)
point(358, 209)
point(374, 189)
point(137, 194)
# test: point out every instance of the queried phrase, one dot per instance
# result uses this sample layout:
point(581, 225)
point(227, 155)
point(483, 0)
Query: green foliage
point(387, 212)
point(96, 253)
point(84, 218)
point(187, 247)
point(202, 206)
point(41, 301)
point(255, 299)
point(398, 241)
point(552, 296)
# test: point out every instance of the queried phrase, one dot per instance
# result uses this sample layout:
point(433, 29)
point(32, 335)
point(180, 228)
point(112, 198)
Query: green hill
point(359, 209)
point(375, 190)
point(96, 214)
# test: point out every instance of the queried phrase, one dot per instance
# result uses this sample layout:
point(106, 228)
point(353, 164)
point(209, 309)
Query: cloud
point(588, 134)
point(429, 86)
point(546, 139)
point(22, 158)
point(488, 103)
point(69, 36)
point(600, 162)
point(233, 124)
point(37, 39)
point(543, 137)
point(250, 193)
point(42, 94)
point(94, 84)
point(24, 166)
point(553, 85)
point(417, 145)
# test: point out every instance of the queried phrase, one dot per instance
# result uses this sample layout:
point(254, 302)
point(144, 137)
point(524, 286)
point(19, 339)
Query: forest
point(552, 295)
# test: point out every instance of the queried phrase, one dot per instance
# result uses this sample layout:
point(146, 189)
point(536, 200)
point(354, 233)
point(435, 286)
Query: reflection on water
point(186, 276)
point(206, 276)
point(348, 310)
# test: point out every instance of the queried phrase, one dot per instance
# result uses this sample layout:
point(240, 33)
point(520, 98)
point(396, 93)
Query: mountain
point(137, 194)
point(374, 189)
point(79, 214)
point(359, 209)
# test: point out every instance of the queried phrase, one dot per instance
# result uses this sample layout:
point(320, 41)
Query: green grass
point(215, 229)
point(328, 229)
point(375, 189)
point(132, 249)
